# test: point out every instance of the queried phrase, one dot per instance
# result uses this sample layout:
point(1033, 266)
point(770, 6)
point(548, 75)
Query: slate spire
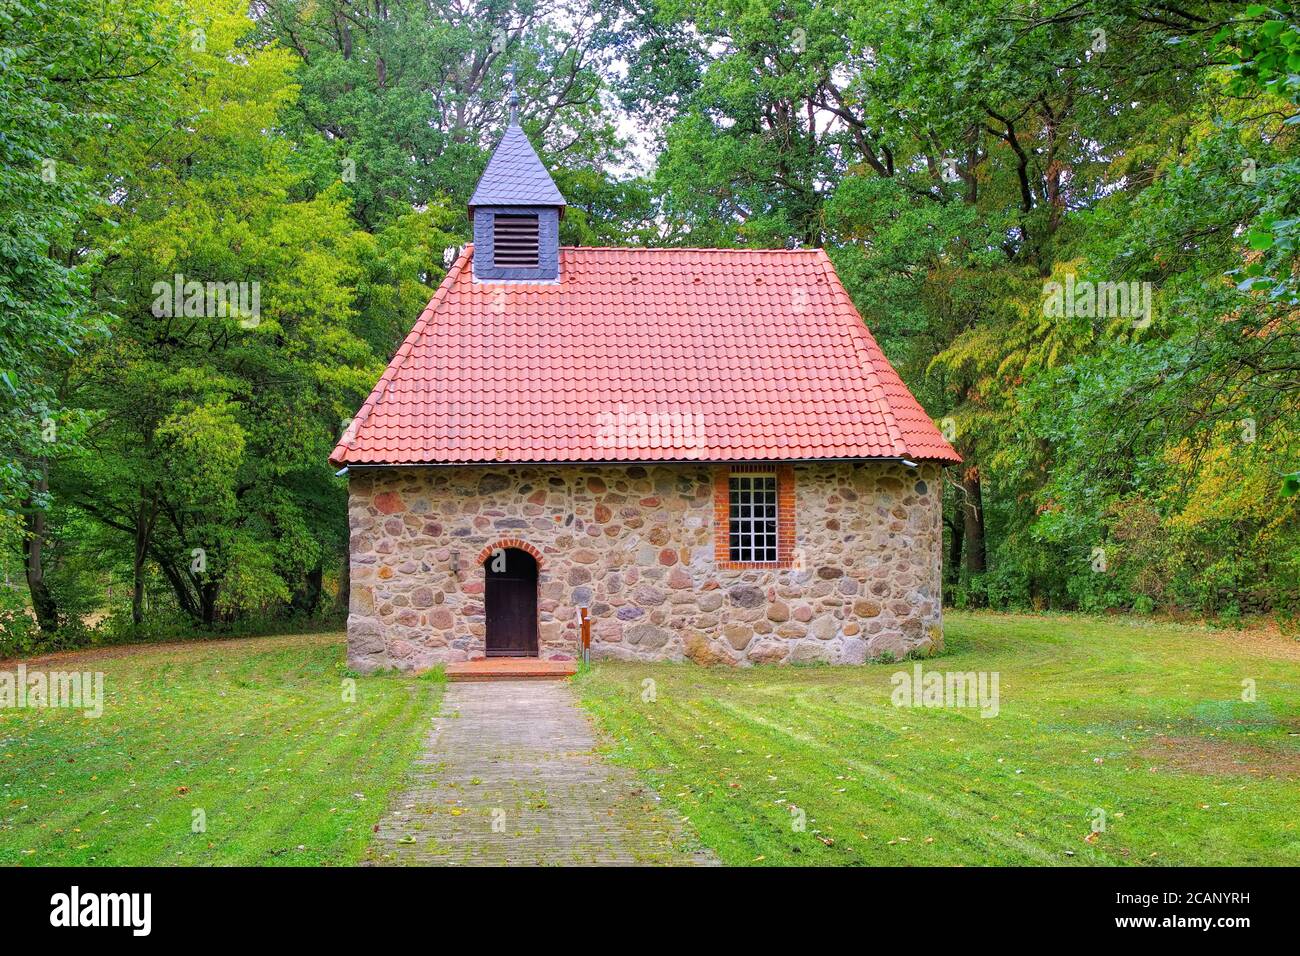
point(516, 210)
point(515, 175)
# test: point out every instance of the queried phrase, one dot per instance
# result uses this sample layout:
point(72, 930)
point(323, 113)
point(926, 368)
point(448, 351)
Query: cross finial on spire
point(514, 97)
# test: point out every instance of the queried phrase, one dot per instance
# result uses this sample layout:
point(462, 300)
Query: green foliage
point(1263, 47)
point(61, 86)
point(218, 470)
point(409, 94)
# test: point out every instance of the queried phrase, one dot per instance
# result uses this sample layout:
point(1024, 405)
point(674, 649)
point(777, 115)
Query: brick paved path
point(509, 775)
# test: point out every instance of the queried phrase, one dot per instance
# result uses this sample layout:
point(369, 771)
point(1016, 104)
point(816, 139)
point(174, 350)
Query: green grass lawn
point(255, 733)
point(1143, 722)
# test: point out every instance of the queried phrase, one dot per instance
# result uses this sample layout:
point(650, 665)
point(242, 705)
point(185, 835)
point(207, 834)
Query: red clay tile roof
point(642, 355)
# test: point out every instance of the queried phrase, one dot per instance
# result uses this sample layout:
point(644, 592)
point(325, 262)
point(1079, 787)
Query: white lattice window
point(753, 521)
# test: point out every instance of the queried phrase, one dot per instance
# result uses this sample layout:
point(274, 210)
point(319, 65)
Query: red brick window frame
point(785, 501)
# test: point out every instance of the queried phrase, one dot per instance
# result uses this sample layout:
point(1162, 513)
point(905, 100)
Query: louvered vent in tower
point(514, 241)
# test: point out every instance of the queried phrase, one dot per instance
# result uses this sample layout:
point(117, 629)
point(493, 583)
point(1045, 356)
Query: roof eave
point(628, 462)
point(560, 206)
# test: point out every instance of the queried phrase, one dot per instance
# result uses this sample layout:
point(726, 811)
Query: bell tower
point(516, 210)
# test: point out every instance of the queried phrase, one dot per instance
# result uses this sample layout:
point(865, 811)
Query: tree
point(408, 95)
point(69, 72)
point(252, 317)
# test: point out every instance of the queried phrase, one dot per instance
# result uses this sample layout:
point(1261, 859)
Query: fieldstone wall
point(637, 543)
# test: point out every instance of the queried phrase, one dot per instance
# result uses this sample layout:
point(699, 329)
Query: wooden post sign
point(586, 635)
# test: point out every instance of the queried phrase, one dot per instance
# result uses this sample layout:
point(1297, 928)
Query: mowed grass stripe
point(1082, 702)
point(945, 767)
point(243, 713)
point(305, 804)
point(365, 749)
point(955, 751)
point(290, 807)
point(256, 732)
point(926, 802)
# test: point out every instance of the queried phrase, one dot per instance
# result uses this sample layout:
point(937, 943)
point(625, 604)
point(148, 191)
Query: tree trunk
point(43, 602)
point(973, 511)
point(315, 584)
point(143, 533)
point(306, 598)
point(208, 603)
point(177, 579)
point(955, 528)
point(344, 597)
point(137, 588)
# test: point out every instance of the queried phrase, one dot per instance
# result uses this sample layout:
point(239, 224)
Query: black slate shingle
point(515, 176)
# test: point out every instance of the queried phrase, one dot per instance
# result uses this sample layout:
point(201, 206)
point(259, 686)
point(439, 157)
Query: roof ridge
point(746, 249)
point(349, 436)
point(858, 331)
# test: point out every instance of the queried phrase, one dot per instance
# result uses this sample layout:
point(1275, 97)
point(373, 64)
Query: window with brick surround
point(754, 516)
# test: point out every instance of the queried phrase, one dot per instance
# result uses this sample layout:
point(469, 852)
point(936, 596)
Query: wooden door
point(510, 600)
